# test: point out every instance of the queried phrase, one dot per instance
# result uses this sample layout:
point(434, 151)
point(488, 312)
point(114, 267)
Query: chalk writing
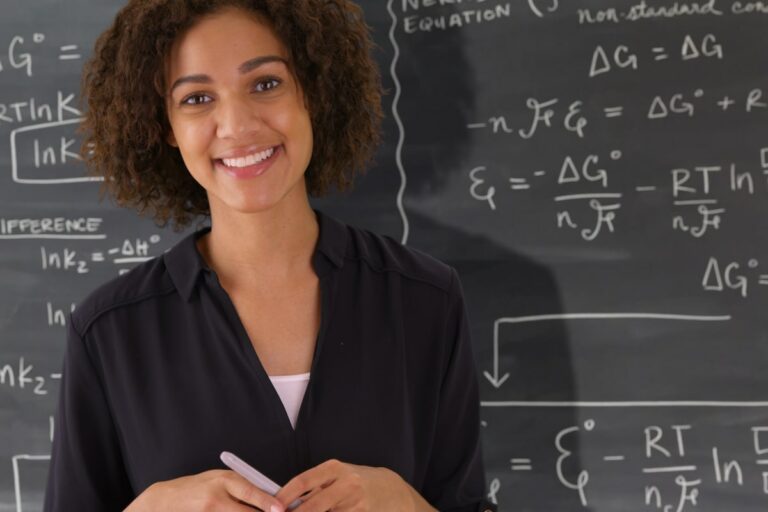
point(129, 252)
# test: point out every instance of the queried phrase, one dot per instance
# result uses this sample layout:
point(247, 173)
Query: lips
point(249, 171)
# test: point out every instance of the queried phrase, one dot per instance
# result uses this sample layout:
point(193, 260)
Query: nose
point(236, 117)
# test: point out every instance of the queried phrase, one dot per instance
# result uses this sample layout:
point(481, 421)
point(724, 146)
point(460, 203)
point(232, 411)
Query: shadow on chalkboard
point(438, 102)
point(501, 287)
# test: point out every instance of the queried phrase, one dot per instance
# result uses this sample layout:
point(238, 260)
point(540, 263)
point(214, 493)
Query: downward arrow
point(493, 379)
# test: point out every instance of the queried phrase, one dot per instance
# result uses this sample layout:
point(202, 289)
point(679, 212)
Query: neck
point(263, 249)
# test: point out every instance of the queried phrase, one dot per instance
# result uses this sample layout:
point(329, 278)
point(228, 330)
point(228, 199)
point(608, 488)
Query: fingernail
point(275, 508)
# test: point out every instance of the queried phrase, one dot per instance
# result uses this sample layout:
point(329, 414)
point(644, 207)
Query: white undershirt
point(291, 390)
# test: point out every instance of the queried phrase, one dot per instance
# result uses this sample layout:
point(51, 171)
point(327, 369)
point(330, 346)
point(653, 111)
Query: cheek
point(195, 153)
point(197, 136)
point(193, 140)
point(308, 135)
point(294, 123)
point(303, 132)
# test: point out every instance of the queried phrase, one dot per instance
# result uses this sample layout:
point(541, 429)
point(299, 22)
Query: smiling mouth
point(250, 160)
point(249, 167)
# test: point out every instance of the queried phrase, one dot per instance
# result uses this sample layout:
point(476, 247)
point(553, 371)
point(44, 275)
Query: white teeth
point(248, 160)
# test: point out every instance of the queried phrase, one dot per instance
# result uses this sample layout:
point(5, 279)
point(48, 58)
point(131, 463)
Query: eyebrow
point(244, 68)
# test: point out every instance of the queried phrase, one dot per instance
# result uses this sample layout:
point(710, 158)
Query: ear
point(171, 139)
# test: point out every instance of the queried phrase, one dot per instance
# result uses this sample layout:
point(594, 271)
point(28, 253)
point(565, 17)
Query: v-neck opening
point(260, 371)
point(323, 270)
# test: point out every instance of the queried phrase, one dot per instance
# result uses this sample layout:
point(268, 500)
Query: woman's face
point(237, 113)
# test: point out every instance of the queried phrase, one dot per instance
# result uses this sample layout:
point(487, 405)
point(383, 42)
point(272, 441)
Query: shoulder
point(382, 253)
point(143, 282)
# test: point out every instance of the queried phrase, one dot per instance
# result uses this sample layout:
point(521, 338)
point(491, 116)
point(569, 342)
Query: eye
point(267, 84)
point(186, 101)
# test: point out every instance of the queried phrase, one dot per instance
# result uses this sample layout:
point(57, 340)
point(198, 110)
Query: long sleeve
point(86, 471)
point(456, 477)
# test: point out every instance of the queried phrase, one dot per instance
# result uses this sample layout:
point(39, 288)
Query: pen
point(243, 469)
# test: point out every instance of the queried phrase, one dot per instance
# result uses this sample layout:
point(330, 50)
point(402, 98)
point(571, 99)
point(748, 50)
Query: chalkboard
point(596, 170)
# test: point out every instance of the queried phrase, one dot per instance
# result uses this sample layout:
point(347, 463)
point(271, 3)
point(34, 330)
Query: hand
point(216, 490)
point(340, 487)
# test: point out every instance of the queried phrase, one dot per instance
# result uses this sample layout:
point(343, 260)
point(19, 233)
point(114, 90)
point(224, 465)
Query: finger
point(341, 495)
point(319, 476)
point(236, 507)
point(303, 498)
point(242, 490)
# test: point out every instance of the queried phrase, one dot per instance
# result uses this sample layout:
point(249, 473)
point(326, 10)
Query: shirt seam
point(127, 302)
point(403, 273)
point(447, 354)
point(451, 350)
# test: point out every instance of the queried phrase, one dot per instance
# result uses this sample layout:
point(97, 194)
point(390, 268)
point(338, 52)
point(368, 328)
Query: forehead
point(223, 39)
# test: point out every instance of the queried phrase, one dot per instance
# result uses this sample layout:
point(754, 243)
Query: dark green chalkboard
point(596, 170)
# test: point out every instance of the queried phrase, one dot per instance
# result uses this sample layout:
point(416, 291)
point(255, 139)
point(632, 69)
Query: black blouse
point(160, 377)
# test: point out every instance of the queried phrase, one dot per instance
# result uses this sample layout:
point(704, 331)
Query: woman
point(335, 361)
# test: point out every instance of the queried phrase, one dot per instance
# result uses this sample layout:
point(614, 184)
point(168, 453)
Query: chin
point(255, 199)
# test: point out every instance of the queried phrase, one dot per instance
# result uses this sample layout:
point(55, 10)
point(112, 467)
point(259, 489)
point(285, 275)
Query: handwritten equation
point(125, 252)
point(607, 59)
point(694, 193)
point(671, 463)
point(22, 376)
point(720, 276)
point(128, 252)
point(441, 15)
point(18, 54)
point(573, 119)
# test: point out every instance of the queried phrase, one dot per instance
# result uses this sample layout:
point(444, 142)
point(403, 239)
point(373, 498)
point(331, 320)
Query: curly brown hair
point(126, 125)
